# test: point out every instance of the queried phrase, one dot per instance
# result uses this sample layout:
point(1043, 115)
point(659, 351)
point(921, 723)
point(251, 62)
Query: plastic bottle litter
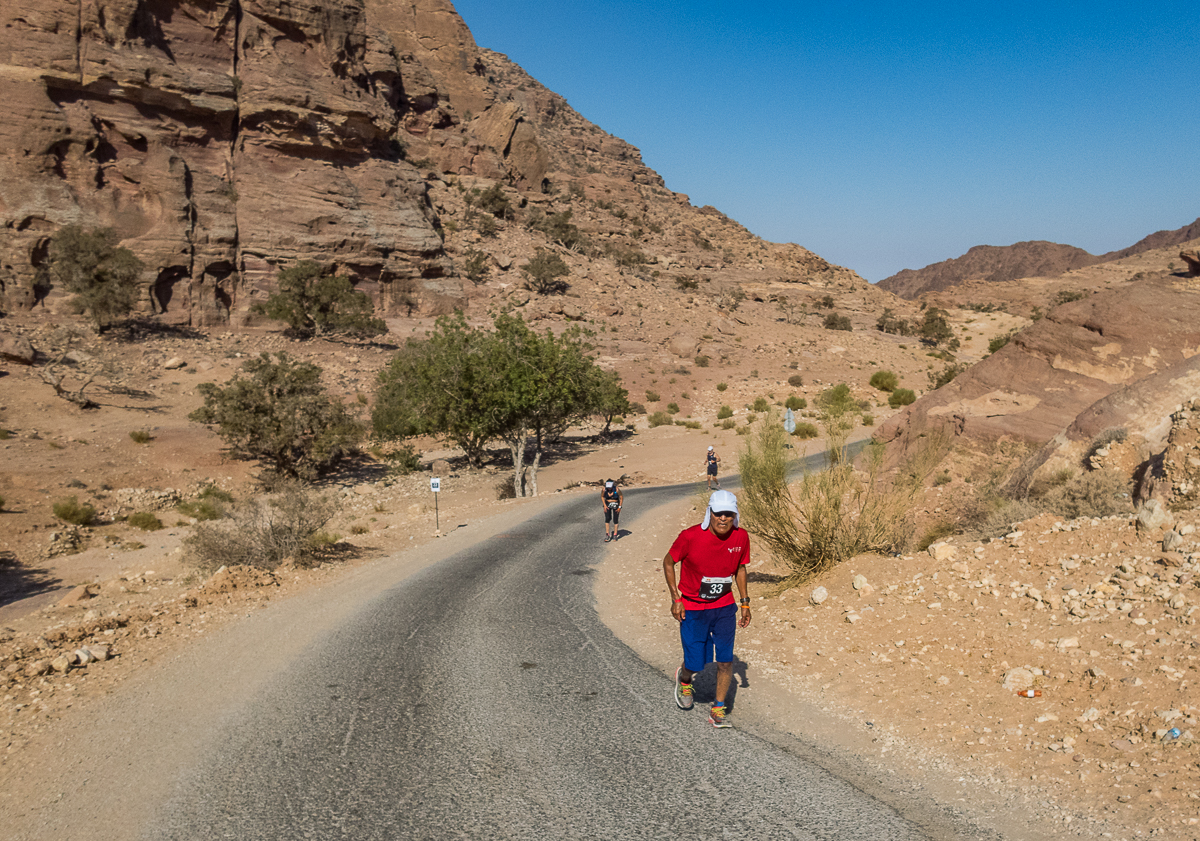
point(1029, 693)
point(1173, 733)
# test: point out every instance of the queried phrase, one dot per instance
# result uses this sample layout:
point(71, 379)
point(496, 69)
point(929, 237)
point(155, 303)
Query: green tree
point(89, 265)
point(545, 382)
point(609, 398)
point(544, 271)
point(314, 302)
point(935, 329)
point(280, 414)
point(836, 401)
point(890, 323)
point(440, 385)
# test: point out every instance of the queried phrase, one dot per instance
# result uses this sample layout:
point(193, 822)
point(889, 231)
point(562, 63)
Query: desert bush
point(702, 361)
point(795, 403)
point(805, 430)
point(686, 284)
point(1066, 296)
point(659, 419)
point(1097, 493)
point(832, 515)
point(491, 201)
point(795, 381)
point(280, 414)
point(724, 412)
point(313, 301)
point(140, 436)
point(890, 323)
point(144, 520)
point(404, 460)
point(942, 478)
point(826, 302)
point(209, 504)
point(673, 408)
point(836, 321)
point(475, 266)
point(945, 375)
point(71, 511)
point(901, 397)
point(728, 423)
point(263, 532)
point(544, 271)
point(836, 401)
point(652, 396)
point(102, 277)
point(359, 528)
point(937, 531)
point(1000, 341)
point(637, 408)
point(885, 380)
point(760, 405)
point(687, 424)
point(722, 386)
point(487, 226)
point(868, 420)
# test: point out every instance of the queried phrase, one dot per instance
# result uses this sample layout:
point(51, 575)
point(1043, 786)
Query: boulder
point(1192, 258)
point(16, 349)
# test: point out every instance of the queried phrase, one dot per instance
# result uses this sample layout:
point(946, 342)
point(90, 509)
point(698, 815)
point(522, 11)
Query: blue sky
point(886, 136)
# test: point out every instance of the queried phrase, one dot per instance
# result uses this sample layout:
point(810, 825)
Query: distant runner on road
point(711, 462)
point(712, 558)
point(612, 499)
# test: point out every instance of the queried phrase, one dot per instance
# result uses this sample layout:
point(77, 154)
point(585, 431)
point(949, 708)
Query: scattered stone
point(79, 594)
point(860, 581)
point(1067, 642)
point(1152, 517)
point(1017, 679)
point(942, 551)
point(819, 595)
point(1172, 540)
point(174, 364)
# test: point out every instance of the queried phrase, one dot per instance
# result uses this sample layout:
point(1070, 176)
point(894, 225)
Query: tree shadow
point(764, 578)
point(133, 330)
point(18, 581)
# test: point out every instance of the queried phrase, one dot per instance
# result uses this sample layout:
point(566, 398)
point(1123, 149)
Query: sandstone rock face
point(1192, 258)
point(221, 140)
point(1127, 357)
point(224, 141)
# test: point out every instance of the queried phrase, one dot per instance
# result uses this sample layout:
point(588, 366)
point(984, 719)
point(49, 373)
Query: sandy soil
point(907, 671)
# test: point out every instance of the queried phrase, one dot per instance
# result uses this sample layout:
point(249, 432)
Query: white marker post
point(435, 485)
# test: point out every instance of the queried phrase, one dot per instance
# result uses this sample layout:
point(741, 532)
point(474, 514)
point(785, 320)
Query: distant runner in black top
point(613, 499)
point(711, 464)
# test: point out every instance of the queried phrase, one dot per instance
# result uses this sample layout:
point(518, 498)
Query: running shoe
point(717, 717)
point(683, 692)
point(607, 538)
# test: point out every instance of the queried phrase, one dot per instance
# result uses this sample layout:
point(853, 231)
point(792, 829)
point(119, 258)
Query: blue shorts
point(707, 636)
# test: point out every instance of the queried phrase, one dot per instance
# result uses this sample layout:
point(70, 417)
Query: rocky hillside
point(226, 140)
point(995, 264)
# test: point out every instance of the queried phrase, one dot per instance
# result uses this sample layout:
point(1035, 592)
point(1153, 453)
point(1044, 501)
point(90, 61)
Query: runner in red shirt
point(712, 559)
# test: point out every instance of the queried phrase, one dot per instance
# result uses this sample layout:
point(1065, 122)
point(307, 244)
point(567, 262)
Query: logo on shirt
point(735, 548)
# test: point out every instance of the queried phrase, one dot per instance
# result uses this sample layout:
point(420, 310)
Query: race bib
point(712, 588)
point(613, 504)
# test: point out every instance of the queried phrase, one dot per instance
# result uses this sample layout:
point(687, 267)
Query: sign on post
point(789, 422)
point(435, 485)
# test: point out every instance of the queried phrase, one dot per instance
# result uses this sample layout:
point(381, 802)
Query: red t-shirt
point(706, 561)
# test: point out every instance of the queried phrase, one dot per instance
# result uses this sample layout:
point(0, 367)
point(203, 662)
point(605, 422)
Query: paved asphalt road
point(483, 698)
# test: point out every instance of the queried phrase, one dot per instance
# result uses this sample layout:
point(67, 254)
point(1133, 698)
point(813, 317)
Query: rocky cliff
point(226, 139)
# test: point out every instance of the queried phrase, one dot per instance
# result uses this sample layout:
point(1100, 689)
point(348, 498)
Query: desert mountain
point(1038, 258)
point(226, 140)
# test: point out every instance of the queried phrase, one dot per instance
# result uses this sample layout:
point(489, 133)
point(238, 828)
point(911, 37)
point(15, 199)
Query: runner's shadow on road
point(704, 684)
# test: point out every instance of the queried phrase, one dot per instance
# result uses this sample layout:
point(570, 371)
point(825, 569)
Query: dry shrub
point(263, 532)
point(834, 514)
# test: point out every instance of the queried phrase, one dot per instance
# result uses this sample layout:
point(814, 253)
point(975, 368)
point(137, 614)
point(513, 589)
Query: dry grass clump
point(834, 514)
point(263, 532)
point(72, 511)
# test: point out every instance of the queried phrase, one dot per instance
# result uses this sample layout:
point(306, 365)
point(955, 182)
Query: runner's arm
point(677, 609)
point(741, 581)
